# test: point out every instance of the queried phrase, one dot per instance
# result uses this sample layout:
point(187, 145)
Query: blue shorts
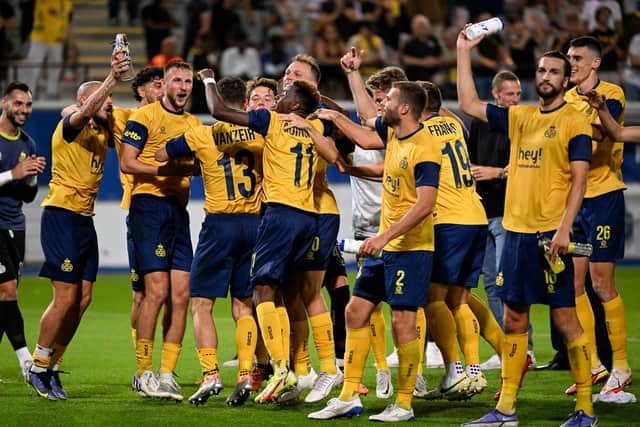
point(284, 239)
point(223, 256)
point(399, 278)
point(524, 276)
point(327, 227)
point(459, 254)
point(600, 222)
point(137, 285)
point(161, 236)
point(70, 246)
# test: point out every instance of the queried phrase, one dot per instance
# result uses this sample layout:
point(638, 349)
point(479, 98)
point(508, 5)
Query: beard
point(390, 118)
point(550, 93)
point(173, 100)
point(14, 122)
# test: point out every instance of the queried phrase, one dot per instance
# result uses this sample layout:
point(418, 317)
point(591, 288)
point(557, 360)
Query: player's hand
point(30, 166)
point(351, 60)
point(292, 120)
point(464, 43)
point(372, 246)
point(323, 114)
point(559, 244)
point(342, 165)
point(205, 73)
point(596, 100)
point(485, 173)
point(119, 64)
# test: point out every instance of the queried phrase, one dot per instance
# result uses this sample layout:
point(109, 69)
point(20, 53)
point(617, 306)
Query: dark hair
point(384, 79)
point(232, 90)
point(589, 42)
point(307, 96)
point(434, 96)
point(181, 65)
point(602, 9)
point(559, 55)
point(145, 76)
point(413, 94)
point(16, 85)
point(311, 61)
point(501, 77)
point(264, 82)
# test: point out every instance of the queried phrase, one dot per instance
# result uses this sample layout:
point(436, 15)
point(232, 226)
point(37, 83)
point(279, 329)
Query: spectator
point(158, 22)
point(571, 29)
point(523, 53)
point(588, 15)
point(632, 70)
point(132, 12)
point(329, 47)
point(274, 58)
point(240, 60)
point(224, 20)
point(354, 12)
point(197, 25)
point(168, 53)
point(609, 43)
point(375, 54)
point(292, 42)
point(422, 55)
point(7, 22)
point(394, 24)
point(51, 28)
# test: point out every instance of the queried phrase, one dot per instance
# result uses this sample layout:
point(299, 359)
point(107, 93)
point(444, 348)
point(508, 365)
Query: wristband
point(6, 177)
point(501, 174)
point(208, 80)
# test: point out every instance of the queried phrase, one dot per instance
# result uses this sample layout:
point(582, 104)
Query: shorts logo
point(134, 275)
point(551, 132)
point(551, 289)
point(66, 266)
point(3, 269)
point(404, 163)
point(499, 279)
point(160, 252)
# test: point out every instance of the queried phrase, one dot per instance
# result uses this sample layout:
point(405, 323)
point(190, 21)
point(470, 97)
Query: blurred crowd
point(251, 38)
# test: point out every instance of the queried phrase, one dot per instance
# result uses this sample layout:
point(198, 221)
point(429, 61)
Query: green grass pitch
point(102, 362)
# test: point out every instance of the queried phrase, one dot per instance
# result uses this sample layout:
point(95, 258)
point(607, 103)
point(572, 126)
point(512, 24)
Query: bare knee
point(403, 323)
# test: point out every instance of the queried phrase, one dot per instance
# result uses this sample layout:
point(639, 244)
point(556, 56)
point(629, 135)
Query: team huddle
point(269, 235)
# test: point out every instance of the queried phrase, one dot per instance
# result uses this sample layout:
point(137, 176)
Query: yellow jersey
point(323, 198)
point(457, 201)
point(77, 166)
point(120, 117)
point(231, 162)
point(290, 160)
point(543, 143)
point(150, 128)
point(51, 19)
point(605, 174)
point(410, 161)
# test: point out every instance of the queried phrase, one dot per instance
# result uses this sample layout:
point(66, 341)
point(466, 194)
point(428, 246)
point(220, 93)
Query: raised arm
point(324, 146)
point(468, 98)
point(350, 63)
point(363, 137)
point(609, 124)
point(216, 105)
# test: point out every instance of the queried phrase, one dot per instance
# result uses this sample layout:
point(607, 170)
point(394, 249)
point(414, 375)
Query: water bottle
point(352, 246)
point(490, 26)
point(556, 265)
point(584, 249)
point(121, 44)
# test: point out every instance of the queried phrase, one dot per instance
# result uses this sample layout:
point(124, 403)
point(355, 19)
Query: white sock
point(454, 369)
point(23, 355)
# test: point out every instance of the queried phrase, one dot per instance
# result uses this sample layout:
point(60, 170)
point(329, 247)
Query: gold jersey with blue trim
point(77, 166)
point(290, 160)
point(323, 198)
point(120, 117)
point(457, 201)
point(399, 188)
point(51, 18)
point(231, 162)
point(605, 174)
point(149, 128)
point(539, 163)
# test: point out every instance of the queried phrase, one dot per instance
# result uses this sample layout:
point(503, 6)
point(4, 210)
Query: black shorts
point(12, 244)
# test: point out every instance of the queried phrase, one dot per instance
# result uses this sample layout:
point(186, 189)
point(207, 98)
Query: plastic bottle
point(489, 26)
point(557, 265)
point(352, 246)
point(121, 44)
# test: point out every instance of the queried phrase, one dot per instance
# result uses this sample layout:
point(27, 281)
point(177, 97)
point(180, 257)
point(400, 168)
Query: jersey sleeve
point(136, 134)
point(615, 108)
point(179, 147)
point(69, 133)
point(580, 148)
point(382, 130)
point(259, 120)
point(498, 118)
point(427, 174)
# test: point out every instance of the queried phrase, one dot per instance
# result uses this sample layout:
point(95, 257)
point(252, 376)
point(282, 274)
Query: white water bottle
point(352, 246)
point(487, 27)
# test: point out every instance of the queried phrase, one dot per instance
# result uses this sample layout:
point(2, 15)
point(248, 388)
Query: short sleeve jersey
point(605, 173)
point(411, 161)
point(150, 128)
point(77, 166)
point(120, 118)
point(13, 150)
point(290, 160)
point(543, 143)
point(231, 161)
point(457, 201)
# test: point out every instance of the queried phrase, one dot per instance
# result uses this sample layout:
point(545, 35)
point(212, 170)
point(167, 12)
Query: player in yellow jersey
point(405, 240)
point(290, 161)
point(601, 218)
point(548, 165)
point(609, 123)
point(230, 158)
point(68, 237)
point(159, 224)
